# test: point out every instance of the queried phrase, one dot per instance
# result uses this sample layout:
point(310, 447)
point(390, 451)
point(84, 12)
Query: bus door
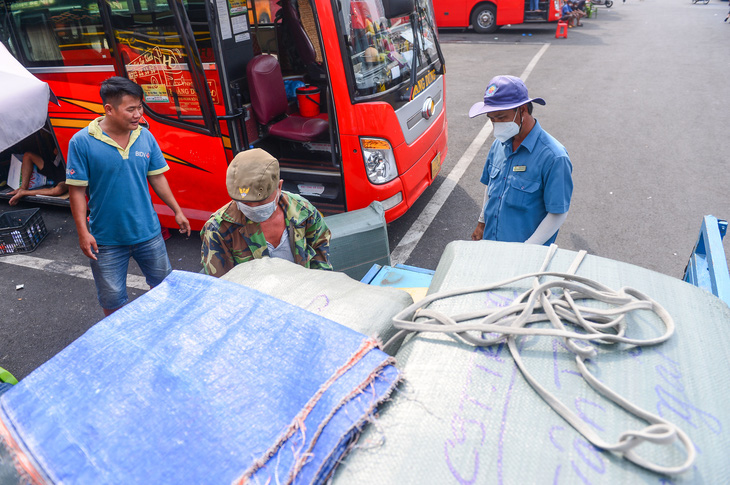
point(231, 41)
point(265, 50)
point(547, 10)
point(156, 46)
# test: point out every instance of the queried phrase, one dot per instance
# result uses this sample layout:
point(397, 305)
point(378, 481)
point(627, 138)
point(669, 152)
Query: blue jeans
point(534, 4)
point(110, 269)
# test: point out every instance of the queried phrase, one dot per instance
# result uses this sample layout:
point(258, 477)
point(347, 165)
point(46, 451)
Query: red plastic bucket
point(308, 99)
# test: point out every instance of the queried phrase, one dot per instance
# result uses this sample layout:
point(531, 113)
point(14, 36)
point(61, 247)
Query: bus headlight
point(379, 160)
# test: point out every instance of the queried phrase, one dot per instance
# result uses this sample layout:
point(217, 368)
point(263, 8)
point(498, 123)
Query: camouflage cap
point(252, 176)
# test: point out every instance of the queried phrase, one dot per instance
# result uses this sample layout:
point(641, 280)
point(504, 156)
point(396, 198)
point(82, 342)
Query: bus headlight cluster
point(379, 160)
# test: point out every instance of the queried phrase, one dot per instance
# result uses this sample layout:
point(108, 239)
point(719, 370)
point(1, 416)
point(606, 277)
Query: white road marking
point(133, 281)
point(408, 243)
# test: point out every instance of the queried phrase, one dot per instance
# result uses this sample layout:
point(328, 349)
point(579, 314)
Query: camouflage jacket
point(230, 239)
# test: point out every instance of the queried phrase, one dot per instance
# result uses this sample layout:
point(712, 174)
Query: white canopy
point(23, 101)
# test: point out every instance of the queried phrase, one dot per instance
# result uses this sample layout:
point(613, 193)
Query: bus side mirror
point(398, 8)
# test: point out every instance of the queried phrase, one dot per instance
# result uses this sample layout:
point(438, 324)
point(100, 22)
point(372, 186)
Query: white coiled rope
point(542, 303)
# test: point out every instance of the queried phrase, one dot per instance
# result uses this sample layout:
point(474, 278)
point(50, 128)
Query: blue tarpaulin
point(198, 381)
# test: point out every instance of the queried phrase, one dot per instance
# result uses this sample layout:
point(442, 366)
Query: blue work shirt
point(121, 211)
point(566, 9)
point(524, 185)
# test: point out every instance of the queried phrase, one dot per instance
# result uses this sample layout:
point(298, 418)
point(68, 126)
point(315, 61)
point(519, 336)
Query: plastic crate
point(21, 231)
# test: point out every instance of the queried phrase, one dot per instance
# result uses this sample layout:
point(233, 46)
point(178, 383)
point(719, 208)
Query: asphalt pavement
point(637, 96)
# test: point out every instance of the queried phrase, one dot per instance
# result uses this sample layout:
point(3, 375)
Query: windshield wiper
point(416, 55)
point(420, 9)
point(417, 43)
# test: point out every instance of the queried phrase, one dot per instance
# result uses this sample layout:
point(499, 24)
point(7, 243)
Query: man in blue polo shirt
point(528, 174)
point(115, 158)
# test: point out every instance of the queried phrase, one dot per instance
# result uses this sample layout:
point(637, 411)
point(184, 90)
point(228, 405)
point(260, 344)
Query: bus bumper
point(421, 174)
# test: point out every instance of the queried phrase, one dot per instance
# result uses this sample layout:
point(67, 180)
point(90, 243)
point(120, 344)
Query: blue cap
point(503, 92)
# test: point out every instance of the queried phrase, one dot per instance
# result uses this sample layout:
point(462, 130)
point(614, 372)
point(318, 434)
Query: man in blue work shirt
point(528, 173)
point(115, 159)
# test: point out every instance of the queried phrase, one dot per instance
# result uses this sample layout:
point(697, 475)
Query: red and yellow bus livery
point(221, 77)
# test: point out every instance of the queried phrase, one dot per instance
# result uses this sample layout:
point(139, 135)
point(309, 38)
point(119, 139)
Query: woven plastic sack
point(466, 414)
point(198, 381)
point(359, 240)
point(364, 308)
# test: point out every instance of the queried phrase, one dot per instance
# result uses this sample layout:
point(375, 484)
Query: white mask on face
point(506, 130)
point(258, 213)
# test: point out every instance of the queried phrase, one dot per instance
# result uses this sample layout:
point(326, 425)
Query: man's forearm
point(162, 189)
point(484, 205)
point(549, 226)
point(321, 259)
point(320, 242)
point(77, 198)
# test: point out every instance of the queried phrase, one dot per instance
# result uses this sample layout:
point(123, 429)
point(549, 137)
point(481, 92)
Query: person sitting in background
point(578, 10)
point(54, 171)
point(568, 15)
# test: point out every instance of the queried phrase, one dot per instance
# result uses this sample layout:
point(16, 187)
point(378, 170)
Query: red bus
point(220, 77)
point(488, 16)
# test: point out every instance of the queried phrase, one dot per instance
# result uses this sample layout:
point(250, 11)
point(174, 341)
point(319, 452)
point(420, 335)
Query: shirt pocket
point(493, 179)
point(523, 194)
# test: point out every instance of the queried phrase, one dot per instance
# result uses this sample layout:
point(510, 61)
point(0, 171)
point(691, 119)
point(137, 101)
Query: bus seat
point(290, 20)
point(307, 54)
point(269, 103)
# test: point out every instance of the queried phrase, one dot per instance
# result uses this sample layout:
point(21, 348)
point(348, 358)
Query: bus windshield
point(380, 51)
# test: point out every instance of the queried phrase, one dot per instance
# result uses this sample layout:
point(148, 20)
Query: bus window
point(265, 11)
point(154, 56)
point(195, 10)
point(5, 29)
point(262, 17)
point(381, 50)
point(64, 33)
point(426, 28)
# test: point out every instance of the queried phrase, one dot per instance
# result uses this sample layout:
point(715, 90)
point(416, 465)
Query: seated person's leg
point(54, 170)
point(59, 189)
point(56, 191)
point(30, 160)
point(53, 173)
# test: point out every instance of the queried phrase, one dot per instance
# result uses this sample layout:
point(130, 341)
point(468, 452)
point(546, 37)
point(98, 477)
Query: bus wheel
point(484, 19)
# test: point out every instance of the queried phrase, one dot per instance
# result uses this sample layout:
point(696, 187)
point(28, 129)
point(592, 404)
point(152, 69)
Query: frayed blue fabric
point(198, 381)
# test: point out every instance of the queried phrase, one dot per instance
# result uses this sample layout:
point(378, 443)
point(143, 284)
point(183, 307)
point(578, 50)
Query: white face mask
point(506, 130)
point(258, 213)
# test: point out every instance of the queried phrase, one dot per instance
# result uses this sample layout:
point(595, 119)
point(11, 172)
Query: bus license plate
point(435, 166)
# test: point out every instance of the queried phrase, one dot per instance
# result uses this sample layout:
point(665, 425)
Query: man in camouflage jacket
point(238, 231)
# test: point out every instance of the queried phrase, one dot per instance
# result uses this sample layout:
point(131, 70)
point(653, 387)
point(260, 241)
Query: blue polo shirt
point(120, 207)
point(524, 185)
